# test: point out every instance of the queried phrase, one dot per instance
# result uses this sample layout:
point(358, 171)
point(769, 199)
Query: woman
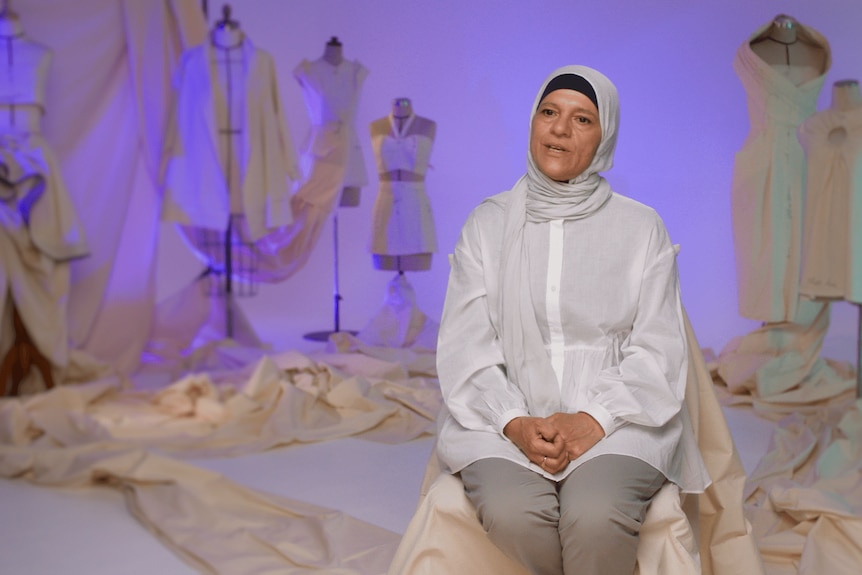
point(562, 354)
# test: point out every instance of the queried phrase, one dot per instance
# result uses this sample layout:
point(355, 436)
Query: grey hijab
point(578, 198)
point(537, 198)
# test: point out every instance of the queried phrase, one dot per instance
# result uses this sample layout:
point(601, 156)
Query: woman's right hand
point(540, 441)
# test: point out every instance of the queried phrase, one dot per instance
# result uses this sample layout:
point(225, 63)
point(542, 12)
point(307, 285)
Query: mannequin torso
point(23, 75)
point(786, 47)
point(227, 38)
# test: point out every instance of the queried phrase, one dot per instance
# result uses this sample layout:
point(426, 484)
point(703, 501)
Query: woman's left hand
point(579, 431)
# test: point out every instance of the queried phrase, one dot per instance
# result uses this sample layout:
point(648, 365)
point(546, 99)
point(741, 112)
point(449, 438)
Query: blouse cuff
point(509, 416)
point(602, 416)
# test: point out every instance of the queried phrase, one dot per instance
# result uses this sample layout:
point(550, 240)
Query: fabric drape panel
point(156, 34)
point(107, 98)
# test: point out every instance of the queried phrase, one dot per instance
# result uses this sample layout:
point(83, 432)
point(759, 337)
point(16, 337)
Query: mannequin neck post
point(846, 95)
point(402, 108)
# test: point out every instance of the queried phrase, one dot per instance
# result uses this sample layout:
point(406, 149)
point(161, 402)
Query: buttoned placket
point(552, 297)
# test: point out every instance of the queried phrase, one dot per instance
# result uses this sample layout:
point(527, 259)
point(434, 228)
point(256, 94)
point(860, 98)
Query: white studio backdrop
point(474, 66)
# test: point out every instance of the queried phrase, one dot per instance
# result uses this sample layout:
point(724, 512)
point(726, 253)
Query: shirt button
point(553, 288)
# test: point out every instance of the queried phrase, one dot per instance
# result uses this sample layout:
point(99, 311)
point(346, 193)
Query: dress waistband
point(401, 176)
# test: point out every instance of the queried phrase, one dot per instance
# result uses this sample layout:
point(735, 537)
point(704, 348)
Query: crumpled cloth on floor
point(778, 369)
point(280, 400)
point(103, 433)
point(400, 323)
point(804, 499)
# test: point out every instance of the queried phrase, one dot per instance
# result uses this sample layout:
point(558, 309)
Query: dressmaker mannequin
point(403, 236)
point(230, 164)
point(227, 38)
point(782, 66)
point(402, 233)
point(332, 158)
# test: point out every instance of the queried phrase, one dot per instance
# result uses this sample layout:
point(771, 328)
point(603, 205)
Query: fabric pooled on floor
point(103, 433)
point(212, 523)
point(804, 499)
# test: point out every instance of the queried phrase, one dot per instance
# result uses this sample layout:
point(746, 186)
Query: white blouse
point(606, 296)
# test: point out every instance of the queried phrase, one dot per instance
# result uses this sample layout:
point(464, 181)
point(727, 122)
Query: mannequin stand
point(20, 357)
point(859, 355)
point(336, 296)
point(228, 280)
point(229, 255)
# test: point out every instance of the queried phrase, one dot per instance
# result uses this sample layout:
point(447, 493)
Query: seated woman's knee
point(598, 517)
point(514, 515)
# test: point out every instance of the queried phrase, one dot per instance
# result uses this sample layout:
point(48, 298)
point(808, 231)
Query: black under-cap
point(571, 82)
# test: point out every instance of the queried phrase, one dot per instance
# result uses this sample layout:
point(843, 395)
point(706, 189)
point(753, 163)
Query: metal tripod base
point(336, 303)
point(324, 335)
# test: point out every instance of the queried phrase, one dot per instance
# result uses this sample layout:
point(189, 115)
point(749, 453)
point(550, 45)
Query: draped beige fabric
point(804, 498)
point(102, 434)
point(445, 536)
point(212, 523)
point(778, 369)
point(109, 90)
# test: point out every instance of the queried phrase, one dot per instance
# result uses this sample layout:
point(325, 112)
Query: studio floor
point(90, 531)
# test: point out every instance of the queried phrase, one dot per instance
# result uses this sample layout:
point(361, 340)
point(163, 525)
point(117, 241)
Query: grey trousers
point(586, 524)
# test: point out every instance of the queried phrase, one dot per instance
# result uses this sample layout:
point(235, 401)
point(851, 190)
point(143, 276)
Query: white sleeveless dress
point(332, 158)
point(403, 223)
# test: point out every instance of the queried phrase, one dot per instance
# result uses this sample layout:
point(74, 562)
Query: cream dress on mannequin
point(403, 223)
point(262, 165)
point(769, 171)
point(39, 227)
point(331, 157)
point(832, 139)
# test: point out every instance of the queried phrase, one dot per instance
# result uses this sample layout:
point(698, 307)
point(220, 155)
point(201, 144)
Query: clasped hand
point(552, 442)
